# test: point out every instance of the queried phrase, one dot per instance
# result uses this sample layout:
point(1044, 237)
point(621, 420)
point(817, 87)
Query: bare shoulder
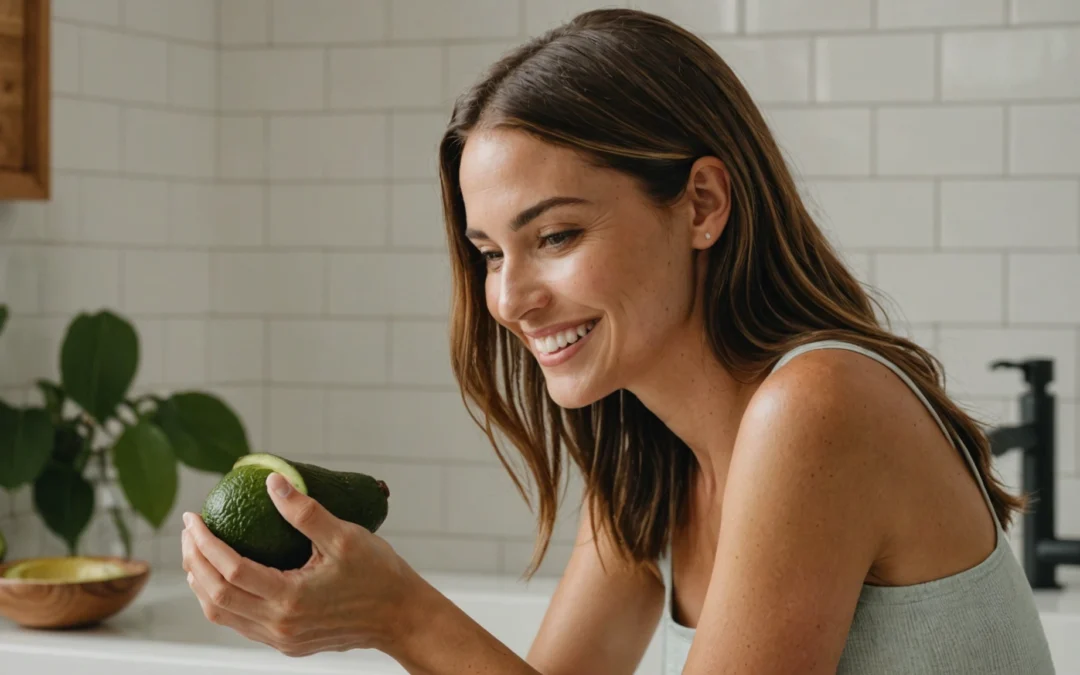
point(834, 405)
point(831, 431)
point(806, 513)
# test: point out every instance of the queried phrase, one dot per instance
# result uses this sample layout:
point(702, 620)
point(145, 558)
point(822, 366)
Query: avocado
point(239, 511)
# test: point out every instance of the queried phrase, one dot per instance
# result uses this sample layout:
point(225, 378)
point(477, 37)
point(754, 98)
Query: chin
point(571, 395)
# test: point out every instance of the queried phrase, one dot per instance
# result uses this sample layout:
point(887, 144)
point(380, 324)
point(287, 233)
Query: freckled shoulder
point(832, 406)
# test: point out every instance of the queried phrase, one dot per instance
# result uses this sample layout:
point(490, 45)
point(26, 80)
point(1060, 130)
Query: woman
point(769, 472)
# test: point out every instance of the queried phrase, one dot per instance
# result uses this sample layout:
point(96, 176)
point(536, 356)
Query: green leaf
point(147, 469)
point(98, 361)
point(204, 431)
point(3, 317)
point(65, 501)
point(26, 438)
point(69, 446)
point(54, 398)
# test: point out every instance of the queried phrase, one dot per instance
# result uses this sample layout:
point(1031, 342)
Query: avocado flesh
point(75, 569)
point(240, 512)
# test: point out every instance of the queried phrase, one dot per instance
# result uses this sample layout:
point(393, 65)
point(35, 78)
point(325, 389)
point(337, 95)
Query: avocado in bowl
point(69, 592)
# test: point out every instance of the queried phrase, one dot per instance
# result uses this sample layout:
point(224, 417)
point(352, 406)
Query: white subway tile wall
point(255, 182)
point(130, 225)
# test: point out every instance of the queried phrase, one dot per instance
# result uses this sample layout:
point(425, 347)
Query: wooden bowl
point(65, 603)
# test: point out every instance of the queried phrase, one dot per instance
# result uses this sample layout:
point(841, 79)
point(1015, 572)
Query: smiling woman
point(770, 473)
point(632, 266)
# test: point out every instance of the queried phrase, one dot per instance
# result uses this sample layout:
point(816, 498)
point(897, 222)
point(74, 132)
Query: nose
point(520, 290)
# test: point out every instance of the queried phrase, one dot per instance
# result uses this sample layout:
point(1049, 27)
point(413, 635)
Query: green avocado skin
point(240, 512)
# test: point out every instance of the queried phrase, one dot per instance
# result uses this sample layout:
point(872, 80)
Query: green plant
point(88, 420)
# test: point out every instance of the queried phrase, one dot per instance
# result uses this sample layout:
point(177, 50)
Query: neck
point(692, 393)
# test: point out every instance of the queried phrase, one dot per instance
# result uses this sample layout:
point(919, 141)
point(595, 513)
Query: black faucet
point(1043, 551)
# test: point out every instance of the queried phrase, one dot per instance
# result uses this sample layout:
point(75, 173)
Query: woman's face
point(580, 265)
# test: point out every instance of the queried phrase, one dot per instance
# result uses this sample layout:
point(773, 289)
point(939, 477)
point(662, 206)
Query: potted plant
point(88, 424)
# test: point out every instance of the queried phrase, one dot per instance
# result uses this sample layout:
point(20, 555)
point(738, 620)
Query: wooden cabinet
point(24, 99)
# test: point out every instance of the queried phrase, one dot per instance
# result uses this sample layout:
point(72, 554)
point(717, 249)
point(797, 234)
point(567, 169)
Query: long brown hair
point(634, 92)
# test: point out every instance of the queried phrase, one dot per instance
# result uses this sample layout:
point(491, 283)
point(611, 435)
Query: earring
point(708, 235)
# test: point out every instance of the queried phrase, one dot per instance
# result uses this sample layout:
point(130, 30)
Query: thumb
point(301, 511)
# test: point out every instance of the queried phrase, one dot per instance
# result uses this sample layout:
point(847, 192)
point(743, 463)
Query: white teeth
point(553, 343)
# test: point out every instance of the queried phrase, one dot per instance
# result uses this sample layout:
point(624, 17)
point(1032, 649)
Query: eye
point(491, 257)
point(557, 239)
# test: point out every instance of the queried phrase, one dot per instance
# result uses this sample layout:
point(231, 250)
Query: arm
point(437, 638)
point(803, 513)
point(598, 622)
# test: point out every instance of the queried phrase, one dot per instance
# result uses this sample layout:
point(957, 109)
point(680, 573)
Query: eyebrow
point(531, 213)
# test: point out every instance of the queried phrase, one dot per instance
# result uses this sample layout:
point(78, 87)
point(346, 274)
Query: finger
point(285, 643)
point(219, 591)
point(244, 573)
point(304, 513)
point(223, 617)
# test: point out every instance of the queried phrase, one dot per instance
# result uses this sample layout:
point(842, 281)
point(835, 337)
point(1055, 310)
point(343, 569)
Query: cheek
point(491, 297)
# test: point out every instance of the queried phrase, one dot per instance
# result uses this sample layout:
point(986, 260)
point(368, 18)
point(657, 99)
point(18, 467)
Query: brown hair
point(634, 92)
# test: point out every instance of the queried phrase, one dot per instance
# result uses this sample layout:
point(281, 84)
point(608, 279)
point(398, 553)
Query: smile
point(552, 344)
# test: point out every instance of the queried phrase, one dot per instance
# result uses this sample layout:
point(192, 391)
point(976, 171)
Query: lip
point(557, 328)
point(564, 355)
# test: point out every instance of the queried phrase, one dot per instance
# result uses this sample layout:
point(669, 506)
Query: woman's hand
point(347, 596)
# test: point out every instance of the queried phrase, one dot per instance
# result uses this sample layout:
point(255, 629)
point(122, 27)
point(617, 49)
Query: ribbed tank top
point(980, 621)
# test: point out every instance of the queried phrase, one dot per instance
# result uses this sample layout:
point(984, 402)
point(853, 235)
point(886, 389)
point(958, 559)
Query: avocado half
point(240, 512)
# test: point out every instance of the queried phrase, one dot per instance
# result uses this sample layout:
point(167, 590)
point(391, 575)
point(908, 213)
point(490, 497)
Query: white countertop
point(164, 632)
point(164, 628)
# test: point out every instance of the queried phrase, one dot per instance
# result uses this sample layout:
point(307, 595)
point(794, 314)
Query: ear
point(708, 190)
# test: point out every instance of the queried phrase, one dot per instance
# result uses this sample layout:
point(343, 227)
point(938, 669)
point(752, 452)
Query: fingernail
point(279, 485)
point(190, 578)
point(187, 519)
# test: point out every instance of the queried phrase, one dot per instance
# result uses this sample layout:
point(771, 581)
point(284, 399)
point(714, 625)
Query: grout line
point(326, 262)
point(128, 31)
point(1004, 289)
point(874, 21)
point(270, 44)
point(388, 19)
point(265, 181)
point(217, 23)
point(742, 18)
point(265, 384)
point(936, 215)
point(523, 24)
point(812, 68)
point(440, 109)
point(441, 251)
point(121, 296)
point(415, 180)
point(326, 83)
point(873, 141)
point(1006, 135)
point(388, 369)
point(704, 35)
point(388, 206)
point(939, 67)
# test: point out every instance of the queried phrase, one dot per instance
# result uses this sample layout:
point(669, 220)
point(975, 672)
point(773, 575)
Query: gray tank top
point(980, 621)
